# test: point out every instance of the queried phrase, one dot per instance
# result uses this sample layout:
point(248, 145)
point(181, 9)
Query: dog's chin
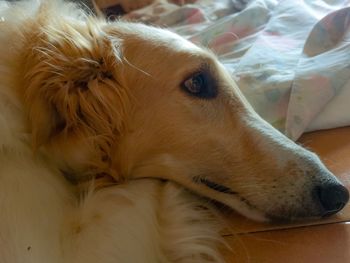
point(251, 212)
point(296, 216)
point(276, 218)
point(281, 219)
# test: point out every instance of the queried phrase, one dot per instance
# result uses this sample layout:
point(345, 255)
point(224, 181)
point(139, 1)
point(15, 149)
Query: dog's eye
point(199, 85)
point(195, 84)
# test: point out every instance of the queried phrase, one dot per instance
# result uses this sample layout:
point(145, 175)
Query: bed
point(291, 59)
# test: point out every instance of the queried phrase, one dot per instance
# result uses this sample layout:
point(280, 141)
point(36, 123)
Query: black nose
point(333, 197)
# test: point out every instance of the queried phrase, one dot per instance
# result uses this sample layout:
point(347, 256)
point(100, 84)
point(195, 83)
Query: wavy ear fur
point(73, 90)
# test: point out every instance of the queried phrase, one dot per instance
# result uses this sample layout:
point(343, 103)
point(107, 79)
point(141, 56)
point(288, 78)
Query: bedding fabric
point(291, 59)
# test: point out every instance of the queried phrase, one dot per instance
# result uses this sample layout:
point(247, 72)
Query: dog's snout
point(333, 197)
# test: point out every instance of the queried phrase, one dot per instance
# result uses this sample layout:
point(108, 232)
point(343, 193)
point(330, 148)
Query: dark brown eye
point(200, 85)
point(195, 84)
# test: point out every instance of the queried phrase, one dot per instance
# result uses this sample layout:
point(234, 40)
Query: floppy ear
point(71, 85)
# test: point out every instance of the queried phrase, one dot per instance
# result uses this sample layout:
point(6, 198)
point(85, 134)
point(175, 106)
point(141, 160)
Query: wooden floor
point(324, 241)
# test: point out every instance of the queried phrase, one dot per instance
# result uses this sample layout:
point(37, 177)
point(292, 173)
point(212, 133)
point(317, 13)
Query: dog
point(88, 101)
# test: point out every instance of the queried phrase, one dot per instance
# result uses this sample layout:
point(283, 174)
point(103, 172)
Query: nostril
point(333, 197)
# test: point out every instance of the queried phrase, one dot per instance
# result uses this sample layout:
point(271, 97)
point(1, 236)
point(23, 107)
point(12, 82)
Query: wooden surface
point(328, 243)
point(323, 241)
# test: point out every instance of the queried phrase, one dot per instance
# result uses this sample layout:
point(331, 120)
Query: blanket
point(291, 59)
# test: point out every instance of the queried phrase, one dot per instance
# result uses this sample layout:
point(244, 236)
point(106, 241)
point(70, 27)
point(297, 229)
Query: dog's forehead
point(162, 38)
point(175, 41)
point(158, 46)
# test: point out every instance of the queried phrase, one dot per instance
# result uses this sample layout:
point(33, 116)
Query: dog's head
point(133, 101)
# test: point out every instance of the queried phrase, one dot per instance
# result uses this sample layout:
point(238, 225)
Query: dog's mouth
point(213, 185)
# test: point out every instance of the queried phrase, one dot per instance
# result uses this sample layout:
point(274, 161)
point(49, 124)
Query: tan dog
point(96, 99)
point(132, 101)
